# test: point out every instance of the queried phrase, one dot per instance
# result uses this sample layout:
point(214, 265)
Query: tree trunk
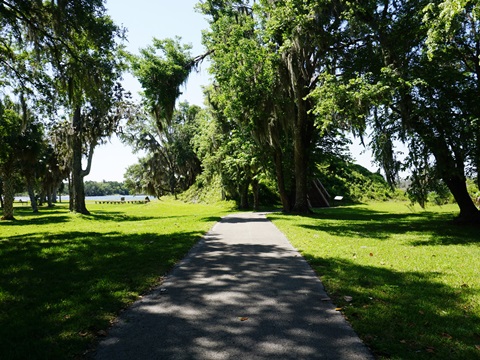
point(8, 196)
point(278, 159)
point(255, 188)
point(77, 171)
point(243, 192)
point(300, 157)
point(50, 196)
point(469, 214)
point(477, 159)
point(300, 129)
point(71, 193)
point(31, 195)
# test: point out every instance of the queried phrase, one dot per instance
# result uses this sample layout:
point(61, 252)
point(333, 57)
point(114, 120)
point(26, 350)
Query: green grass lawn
point(413, 276)
point(64, 276)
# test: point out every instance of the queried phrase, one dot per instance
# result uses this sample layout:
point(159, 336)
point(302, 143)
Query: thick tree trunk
point(477, 160)
point(278, 159)
point(300, 128)
point(243, 192)
point(31, 195)
point(77, 171)
point(8, 197)
point(300, 157)
point(50, 196)
point(469, 214)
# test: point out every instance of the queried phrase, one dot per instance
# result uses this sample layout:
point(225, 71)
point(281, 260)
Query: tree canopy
point(290, 80)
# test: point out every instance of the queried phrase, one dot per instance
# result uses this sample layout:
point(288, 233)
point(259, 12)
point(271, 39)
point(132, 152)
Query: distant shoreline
point(98, 198)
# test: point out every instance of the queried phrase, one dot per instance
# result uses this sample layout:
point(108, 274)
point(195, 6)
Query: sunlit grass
point(413, 276)
point(64, 276)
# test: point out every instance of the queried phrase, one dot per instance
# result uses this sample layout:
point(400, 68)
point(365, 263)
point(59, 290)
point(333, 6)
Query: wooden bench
point(116, 202)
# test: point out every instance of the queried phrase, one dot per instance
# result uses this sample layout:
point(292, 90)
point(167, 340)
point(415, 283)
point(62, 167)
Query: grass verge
point(408, 280)
point(64, 276)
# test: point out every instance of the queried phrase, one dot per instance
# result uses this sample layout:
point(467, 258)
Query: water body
point(66, 198)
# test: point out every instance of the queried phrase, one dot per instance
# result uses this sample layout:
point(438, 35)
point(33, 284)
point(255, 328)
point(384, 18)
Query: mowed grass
point(64, 276)
point(408, 280)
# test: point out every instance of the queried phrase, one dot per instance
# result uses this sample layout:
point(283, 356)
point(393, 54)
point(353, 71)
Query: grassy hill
point(354, 182)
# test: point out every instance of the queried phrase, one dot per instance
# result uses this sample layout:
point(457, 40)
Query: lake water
point(65, 198)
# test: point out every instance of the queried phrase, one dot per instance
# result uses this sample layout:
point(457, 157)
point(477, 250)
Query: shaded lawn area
point(413, 276)
point(64, 276)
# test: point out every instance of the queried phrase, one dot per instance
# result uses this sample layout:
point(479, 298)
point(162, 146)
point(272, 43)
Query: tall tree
point(297, 39)
point(66, 50)
point(170, 166)
point(227, 149)
point(247, 87)
point(424, 102)
point(10, 132)
point(162, 69)
point(454, 39)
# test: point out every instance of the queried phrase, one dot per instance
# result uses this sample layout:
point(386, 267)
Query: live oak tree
point(162, 132)
point(67, 52)
point(266, 58)
point(228, 150)
point(10, 132)
point(389, 78)
point(170, 164)
point(245, 91)
point(162, 69)
point(453, 34)
point(89, 82)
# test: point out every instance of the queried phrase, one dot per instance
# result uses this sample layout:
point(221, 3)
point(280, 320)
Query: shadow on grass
point(59, 216)
point(58, 290)
point(404, 315)
point(366, 223)
point(37, 219)
point(118, 216)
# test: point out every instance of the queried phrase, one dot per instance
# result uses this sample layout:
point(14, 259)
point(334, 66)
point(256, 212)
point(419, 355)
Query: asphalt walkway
point(243, 292)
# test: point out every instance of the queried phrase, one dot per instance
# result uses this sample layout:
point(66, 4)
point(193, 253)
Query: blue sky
point(145, 19)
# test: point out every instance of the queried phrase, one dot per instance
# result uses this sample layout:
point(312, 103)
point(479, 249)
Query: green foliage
point(65, 276)
point(63, 58)
point(410, 277)
point(353, 182)
point(161, 69)
point(10, 131)
point(171, 165)
point(95, 188)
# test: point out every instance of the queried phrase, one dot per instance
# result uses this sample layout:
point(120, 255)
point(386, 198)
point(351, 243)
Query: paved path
point(242, 293)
